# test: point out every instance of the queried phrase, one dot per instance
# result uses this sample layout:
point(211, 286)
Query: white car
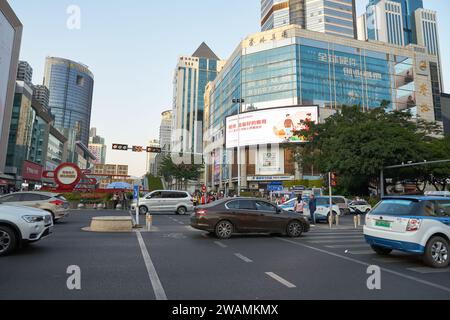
point(21, 225)
point(179, 202)
point(413, 224)
point(362, 206)
point(322, 211)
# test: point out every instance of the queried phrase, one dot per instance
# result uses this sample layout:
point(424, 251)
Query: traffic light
point(154, 150)
point(138, 149)
point(120, 147)
point(333, 179)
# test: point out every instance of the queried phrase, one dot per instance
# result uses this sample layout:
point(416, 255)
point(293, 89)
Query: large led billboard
point(269, 126)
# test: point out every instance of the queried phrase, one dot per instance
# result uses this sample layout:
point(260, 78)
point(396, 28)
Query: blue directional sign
point(136, 192)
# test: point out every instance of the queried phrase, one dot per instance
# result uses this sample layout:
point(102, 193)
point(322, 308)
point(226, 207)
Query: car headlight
point(33, 219)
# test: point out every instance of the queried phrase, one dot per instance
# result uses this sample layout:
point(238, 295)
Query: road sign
point(135, 192)
point(154, 150)
point(120, 147)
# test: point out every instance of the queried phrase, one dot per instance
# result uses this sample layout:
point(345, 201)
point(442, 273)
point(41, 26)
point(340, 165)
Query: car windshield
point(397, 207)
point(323, 202)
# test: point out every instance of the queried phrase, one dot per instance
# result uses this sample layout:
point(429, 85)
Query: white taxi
point(413, 224)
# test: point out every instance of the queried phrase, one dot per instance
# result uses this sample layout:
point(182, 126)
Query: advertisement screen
point(6, 46)
point(269, 126)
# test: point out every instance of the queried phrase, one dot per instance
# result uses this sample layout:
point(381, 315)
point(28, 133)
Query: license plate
point(383, 224)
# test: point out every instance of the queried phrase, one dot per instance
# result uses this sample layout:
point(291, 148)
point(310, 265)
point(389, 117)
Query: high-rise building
point(41, 94)
point(312, 69)
point(152, 165)
point(10, 39)
point(97, 147)
point(192, 74)
point(335, 17)
point(384, 22)
point(71, 88)
point(25, 72)
point(427, 30)
point(165, 131)
point(408, 9)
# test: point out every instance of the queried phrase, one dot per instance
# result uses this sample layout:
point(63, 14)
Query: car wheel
point(8, 241)
point(436, 253)
point(181, 211)
point(381, 251)
point(294, 229)
point(143, 210)
point(224, 230)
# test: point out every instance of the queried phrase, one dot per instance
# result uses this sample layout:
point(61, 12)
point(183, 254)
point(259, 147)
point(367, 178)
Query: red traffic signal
point(120, 147)
point(154, 150)
point(334, 179)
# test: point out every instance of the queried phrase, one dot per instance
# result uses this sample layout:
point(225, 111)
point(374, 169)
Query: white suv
point(413, 224)
point(21, 225)
point(179, 202)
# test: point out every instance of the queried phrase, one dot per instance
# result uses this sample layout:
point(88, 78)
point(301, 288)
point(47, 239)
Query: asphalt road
point(175, 262)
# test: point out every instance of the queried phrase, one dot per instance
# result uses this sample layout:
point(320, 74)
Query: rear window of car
point(338, 200)
point(398, 207)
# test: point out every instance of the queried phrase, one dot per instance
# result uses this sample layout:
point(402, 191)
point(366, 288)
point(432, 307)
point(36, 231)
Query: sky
point(132, 48)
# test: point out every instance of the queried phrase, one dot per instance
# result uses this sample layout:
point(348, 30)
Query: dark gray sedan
point(225, 217)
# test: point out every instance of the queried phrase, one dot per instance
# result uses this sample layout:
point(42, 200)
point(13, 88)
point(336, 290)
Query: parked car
point(359, 207)
point(179, 202)
point(414, 224)
point(53, 203)
point(322, 212)
point(21, 225)
point(438, 194)
point(342, 203)
point(225, 217)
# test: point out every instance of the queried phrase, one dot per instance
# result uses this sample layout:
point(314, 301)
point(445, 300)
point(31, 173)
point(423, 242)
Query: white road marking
point(333, 241)
point(361, 252)
point(243, 258)
point(281, 280)
point(332, 237)
point(347, 246)
point(425, 270)
point(431, 284)
point(220, 244)
point(158, 289)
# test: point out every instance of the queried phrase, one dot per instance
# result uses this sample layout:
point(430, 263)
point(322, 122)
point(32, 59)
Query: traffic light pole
point(331, 200)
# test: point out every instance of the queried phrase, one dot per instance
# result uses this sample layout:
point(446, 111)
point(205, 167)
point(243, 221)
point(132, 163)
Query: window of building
point(80, 81)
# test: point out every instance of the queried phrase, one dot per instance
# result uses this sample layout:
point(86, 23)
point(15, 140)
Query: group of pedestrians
point(300, 205)
point(121, 198)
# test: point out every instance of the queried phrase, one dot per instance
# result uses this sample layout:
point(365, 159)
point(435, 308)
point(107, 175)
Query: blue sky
point(132, 48)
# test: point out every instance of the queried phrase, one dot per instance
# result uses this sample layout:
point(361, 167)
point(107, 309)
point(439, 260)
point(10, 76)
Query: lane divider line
point(220, 244)
point(158, 289)
point(431, 284)
point(243, 258)
point(281, 280)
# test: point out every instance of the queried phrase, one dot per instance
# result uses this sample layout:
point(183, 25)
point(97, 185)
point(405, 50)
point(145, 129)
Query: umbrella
point(119, 185)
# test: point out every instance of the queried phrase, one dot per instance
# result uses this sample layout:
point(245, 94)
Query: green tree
point(182, 172)
point(357, 144)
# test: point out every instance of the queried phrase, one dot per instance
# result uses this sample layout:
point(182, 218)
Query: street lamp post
point(240, 102)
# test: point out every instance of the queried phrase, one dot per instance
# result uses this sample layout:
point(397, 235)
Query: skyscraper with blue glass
point(71, 87)
point(192, 74)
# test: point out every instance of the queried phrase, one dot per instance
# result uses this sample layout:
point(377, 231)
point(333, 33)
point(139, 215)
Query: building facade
point(152, 165)
point(71, 88)
point(335, 17)
point(109, 173)
point(445, 99)
point(427, 30)
point(384, 22)
point(165, 131)
point(10, 40)
point(41, 94)
point(192, 74)
point(298, 67)
point(97, 147)
point(25, 72)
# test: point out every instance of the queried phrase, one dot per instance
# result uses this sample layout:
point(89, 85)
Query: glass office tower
point(71, 87)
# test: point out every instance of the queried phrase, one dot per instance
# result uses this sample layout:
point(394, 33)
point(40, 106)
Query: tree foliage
point(357, 144)
point(180, 172)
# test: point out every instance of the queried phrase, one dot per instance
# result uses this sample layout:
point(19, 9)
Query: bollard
point(337, 219)
point(330, 220)
point(359, 220)
point(119, 207)
point(355, 221)
point(149, 220)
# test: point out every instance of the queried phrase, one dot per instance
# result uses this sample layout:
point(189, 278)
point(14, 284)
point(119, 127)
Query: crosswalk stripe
point(347, 246)
point(334, 237)
point(361, 252)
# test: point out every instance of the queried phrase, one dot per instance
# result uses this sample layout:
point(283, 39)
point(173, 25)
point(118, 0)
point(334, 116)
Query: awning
point(7, 177)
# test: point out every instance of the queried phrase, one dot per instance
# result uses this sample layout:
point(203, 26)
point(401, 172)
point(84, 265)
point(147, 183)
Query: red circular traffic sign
point(67, 175)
